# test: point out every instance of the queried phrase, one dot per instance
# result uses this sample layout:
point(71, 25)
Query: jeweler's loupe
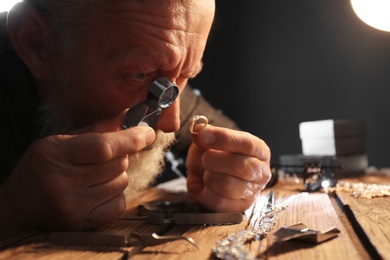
point(162, 93)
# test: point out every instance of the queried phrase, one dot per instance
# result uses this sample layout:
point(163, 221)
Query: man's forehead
point(163, 13)
point(156, 5)
point(150, 60)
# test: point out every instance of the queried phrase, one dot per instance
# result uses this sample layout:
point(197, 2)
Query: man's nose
point(169, 120)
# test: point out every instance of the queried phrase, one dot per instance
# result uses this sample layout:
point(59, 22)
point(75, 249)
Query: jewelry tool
point(303, 233)
point(164, 212)
point(162, 93)
point(105, 239)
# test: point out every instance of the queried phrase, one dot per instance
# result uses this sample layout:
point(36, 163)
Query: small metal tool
point(105, 239)
point(162, 93)
point(227, 218)
point(303, 233)
point(164, 212)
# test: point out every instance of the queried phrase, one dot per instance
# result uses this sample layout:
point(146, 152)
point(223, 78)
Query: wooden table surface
point(364, 226)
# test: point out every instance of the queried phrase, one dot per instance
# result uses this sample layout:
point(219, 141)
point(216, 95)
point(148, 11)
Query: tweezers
point(105, 239)
point(186, 216)
point(192, 218)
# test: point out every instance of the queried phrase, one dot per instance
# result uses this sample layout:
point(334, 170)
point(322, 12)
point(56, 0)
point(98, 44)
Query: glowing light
point(325, 184)
point(6, 5)
point(375, 13)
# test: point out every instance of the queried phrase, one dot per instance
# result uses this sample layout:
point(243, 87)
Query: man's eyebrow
point(116, 54)
point(122, 54)
point(193, 73)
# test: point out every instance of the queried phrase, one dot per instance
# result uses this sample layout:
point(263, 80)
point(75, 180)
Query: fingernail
point(143, 124)
point(208, 138)
point(150, 136)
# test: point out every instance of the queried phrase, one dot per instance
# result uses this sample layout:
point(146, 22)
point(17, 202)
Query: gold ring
point(198, 120)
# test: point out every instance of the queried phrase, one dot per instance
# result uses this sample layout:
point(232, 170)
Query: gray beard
point(54, 118)
point(147, 165)
point(49, 122)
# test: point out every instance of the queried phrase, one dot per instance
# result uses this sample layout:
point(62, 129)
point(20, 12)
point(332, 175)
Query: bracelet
point(362, 190)
point(234, 246)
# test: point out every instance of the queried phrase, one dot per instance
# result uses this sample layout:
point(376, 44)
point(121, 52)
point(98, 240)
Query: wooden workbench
point(364, 226)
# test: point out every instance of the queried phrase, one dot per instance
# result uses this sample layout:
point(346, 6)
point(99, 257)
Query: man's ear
point(30, 35)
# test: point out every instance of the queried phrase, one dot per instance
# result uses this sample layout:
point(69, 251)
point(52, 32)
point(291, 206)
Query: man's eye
point(132, 77)
point(141, 75)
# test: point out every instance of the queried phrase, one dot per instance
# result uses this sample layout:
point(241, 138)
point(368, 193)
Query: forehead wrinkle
point(177, 46)
point(171, 57)
point(157, 13)
point(167, 28)
point(184, 58)
point(173, 28)
point(173, 36)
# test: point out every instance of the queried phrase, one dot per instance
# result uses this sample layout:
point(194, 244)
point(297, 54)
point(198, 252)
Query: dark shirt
point(19, 103)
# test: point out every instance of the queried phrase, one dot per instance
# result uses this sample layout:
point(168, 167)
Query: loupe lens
point(167, 97)
point(164, 91)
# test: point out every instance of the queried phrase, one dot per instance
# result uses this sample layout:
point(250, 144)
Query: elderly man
point(70, 69)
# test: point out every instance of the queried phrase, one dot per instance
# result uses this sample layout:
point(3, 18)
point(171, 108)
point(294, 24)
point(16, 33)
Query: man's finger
point(102, 126)
point(102, 147)
point(244, 167)
point(212, 137)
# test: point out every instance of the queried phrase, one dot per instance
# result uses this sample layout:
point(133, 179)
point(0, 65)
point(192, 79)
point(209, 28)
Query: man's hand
point(73, 181)
point(227, 169)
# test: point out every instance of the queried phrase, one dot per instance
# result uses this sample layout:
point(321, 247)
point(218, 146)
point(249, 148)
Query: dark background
point(272, 64)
